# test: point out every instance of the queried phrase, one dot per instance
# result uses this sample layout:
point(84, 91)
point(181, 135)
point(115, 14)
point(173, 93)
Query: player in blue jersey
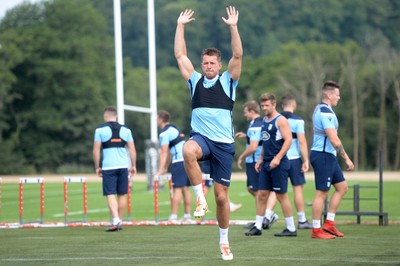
point(213, 96)
point(171, 150)
point(325, 147)
point(250, 155)
point(116, 144)
point(273, 166)
point(298, 157)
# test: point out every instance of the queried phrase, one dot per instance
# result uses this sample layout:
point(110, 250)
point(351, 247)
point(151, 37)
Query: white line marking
point(81, 212)
point(252, 258)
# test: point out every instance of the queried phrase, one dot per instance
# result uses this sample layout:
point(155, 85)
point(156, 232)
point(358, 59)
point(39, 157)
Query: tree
point(350, 64)
point(63, 79)
point(397, 154)
point(379, 54)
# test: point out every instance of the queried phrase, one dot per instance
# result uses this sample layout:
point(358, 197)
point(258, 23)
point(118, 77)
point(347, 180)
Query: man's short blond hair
point(267, 97)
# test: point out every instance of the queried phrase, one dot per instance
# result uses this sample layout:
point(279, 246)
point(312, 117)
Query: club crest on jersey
point(265, 135)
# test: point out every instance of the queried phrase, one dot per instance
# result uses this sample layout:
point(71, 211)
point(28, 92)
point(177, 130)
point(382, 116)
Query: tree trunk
point(396, 164)
point(350, 69)
point(382, 132)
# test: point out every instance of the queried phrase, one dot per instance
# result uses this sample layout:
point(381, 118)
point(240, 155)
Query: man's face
point(267, 107)
point(247, 114)
point(334, 97)
point(210, 66)
point(294, 105)
point(159, 121)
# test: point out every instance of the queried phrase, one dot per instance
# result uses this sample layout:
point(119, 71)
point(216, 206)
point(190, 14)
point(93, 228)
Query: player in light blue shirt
point(323, 118)
point(113, 157)
point(208, 119)
point(115, 141)
point(250, 155)
point(327, 171)
point(171, 146)
point(213, 96)
point(298, 158)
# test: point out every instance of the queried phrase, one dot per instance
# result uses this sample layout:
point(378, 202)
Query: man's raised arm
point(235, 63)
point(184, 64)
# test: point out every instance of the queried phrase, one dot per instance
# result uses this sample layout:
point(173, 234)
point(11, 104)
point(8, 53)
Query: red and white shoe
point(331, 229)
point(319, 233)
point(226, 253)
point(201, 209)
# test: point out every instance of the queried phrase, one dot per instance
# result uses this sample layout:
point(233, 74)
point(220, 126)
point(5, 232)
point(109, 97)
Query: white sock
point(330, 216)
point(290, 224)
point(223, 236)
point(259, 220)
point(198, 191)
point(316, 224)
point(268, 214)
point(173, 217)
point(301, 216)
point(116, 221)
point(186, 216)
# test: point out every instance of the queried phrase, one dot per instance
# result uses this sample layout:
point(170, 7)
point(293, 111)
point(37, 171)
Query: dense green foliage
point(57, 71)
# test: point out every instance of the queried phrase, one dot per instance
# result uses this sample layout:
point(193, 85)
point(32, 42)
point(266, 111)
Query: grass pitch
point(196, 245)
point(364, 244)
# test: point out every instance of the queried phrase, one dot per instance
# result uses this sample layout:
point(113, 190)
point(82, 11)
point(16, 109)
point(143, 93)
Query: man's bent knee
point(341, 187)
point(191, 150)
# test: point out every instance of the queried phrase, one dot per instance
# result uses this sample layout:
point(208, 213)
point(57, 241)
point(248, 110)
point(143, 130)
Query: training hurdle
point(383, 216)
point(68, 179)
point(31, 180)
point(168, 177)
point(1, 196)
point(156, 180)
point(129, 197)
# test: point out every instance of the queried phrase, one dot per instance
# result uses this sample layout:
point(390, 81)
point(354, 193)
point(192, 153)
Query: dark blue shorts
point(252, 176)
point(275, 179)
point(297, 178)
point(179, 176)
point(115, 182)
point(205, 166)
point(326, 170)
point(220, 156)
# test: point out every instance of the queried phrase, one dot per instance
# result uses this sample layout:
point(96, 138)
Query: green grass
point(142, 202)
point(196, 245)
point(365, 244)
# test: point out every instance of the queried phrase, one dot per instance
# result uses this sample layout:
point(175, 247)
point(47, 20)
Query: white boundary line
point(124, 223)
point(237, 258)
